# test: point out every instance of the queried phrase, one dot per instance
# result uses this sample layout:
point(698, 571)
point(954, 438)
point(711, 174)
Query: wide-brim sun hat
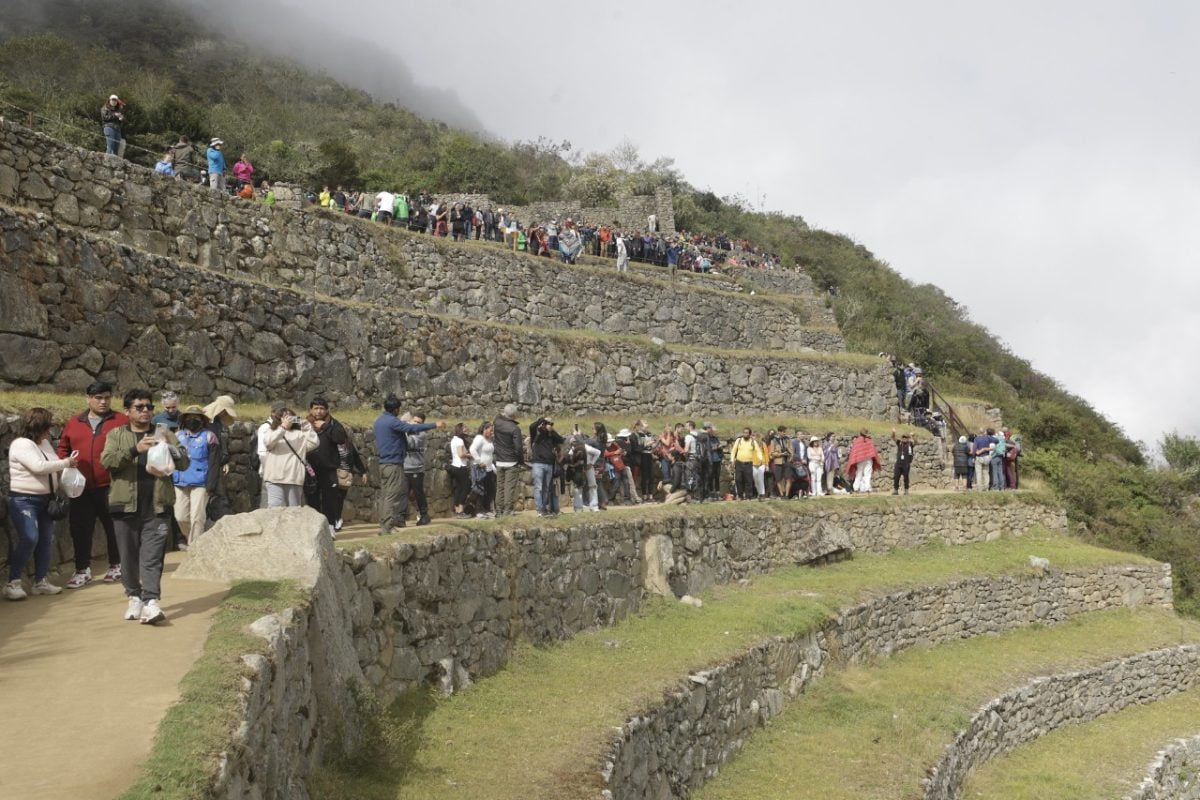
point(194, 411)
point(223, 403)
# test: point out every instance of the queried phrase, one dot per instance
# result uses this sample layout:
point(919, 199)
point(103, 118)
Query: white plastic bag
point(159, 461)
point(73, 482)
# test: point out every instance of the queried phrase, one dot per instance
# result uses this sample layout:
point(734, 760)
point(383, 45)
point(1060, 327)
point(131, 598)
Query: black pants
point(646, 478)
point(743, 480)
point(702, 478)
point(323, 494)
point(714, 478)
point(900, 470)
point(416, 488)
point(85, 511)
point(460, 484)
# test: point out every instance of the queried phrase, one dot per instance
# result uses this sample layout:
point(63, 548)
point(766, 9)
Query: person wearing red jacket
point(86, 433)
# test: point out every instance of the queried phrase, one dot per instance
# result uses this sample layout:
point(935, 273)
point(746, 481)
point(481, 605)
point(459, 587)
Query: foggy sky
point(1037, 161)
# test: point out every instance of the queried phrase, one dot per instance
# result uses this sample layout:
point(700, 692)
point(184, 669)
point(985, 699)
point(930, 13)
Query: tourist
point(510, 456)
point(981, 449)
point(964, 466)
point(862, 461)
point(222, 414)
point(285, 468)
point(460, 470)
point(243, 171)
point(483, 471)
point(802, 485)
point(622, 255)
point(191, 485)
point(617, 454)
point(85, 435)
point(716, 454)
point(140, 502)
point(643, 459)
point(337, 200)
point(385, 204)
point(544, 445)
point(816, 467)
point(164, 166)
point(779, 449)
point(742, 454)
point(414, 474)
point(169, 415)
point(216, 165)
point(34, 473)
point(183, 159)
point(441, 217)
point(901, 381)
point(569, 242)
point(391, 442)
point(832, 460)
point(401, 211)
point(581, 460)
point(334, 462)
point(324, 197)
point(761, 460)
point(997, 462)
point(904, 459)
point(258, 449)
point(112, 119)
point(1012, 457)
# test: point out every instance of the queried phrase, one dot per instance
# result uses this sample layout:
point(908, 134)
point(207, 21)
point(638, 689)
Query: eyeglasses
point(142, 407)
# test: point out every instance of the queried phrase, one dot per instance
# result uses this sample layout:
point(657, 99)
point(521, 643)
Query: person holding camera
point(288, 440)
point(112, 118)
point(545, 443)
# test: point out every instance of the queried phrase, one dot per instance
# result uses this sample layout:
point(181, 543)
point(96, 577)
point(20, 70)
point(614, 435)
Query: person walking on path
point(391, 441)
point(510, 457)
point(32, 469)
point(904, 459)
point(862, 461)
point(140, 502)
point(335, 455)
point(86, 434)
point(191, 485)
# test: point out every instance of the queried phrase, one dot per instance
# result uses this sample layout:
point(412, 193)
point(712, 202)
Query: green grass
point(1099, 760)
point(198, 727)
point(869, 733)
point(553, 709)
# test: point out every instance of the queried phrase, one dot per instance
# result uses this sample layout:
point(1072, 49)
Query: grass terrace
point(870, 732)
point(1099, 760)
point(557, 706)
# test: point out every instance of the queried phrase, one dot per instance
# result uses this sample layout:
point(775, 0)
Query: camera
point(296, 424)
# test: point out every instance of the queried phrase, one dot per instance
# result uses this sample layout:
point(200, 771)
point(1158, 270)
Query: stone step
point(83, 306)
point(353, 259)
point(1143, 752)
point(558, 706)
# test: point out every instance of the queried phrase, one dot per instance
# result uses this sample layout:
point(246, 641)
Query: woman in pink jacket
point(243, 171)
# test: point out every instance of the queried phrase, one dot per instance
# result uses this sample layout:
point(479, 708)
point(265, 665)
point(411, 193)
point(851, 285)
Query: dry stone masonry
point(1174, 774)
point(670, 750)
point(1070, 699)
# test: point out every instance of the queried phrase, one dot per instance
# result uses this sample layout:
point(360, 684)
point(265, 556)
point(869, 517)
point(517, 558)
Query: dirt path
point(82, 690)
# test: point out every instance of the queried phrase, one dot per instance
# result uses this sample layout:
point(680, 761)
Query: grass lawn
point(1100, 760)
point(197, 728)
point(540, 727)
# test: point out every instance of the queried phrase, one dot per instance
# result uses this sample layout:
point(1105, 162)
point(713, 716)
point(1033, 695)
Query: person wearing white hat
point(221, 415)
point(112, 117)
point(216, 165)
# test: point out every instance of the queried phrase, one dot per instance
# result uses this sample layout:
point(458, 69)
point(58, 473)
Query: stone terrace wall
point(450, 608)
point(76, 306)
point(350, 259)
point(1070, 699)
point(673, 748)
point(1173, 774)
point(791, 282)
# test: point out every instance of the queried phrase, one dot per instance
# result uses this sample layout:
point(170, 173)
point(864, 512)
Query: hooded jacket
point(510, 444)
point(77, 435)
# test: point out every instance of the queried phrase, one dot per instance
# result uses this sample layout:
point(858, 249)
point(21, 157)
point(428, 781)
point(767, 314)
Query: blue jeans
point(112, 139)
point(998, 474)
point(35, 534)
point(543, 487)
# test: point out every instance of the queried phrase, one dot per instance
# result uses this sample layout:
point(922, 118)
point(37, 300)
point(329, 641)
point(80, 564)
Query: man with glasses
point(85, 434)
point(141, 503)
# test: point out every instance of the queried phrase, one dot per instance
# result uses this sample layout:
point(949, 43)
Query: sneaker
point(337, 526)
point(80, 579)
point(46, 587)
point(151, 613)
point(113, 575)
point(424, 520)
point(13, 590)
point(134, 609)
point(181, 545)
point(481, 515)
point(894, 492)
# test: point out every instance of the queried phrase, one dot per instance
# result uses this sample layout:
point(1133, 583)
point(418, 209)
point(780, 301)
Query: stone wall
point(76, 306)
point(353, 259)
point(670, 750)
point(1174, 774)
point(631, 212)
point(450, 608)
point(1069, 699)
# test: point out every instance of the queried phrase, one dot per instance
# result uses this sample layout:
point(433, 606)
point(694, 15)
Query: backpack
point(252, 452)
point(703, 446)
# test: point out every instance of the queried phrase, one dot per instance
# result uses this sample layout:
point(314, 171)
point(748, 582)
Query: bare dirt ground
point(82, 690)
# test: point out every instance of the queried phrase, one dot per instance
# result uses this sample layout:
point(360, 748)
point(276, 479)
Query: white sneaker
point(13, 590)
point(134, 609)
point(113, 575)
point(151, 613)
point(80, 579)
point(44, 586)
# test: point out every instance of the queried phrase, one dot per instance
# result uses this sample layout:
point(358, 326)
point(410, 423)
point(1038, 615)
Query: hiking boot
point(46, 587)
point(113, 575)
point(134, 609)
point(895, 492)
point(80, 579)
point(13, 590)
point(151, 613)
point(424, 520)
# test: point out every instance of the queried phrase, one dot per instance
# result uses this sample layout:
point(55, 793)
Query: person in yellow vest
point(742, 454)
point(762, 458)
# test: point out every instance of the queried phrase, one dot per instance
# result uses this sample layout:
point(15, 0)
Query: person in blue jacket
point(216, 165)
point(191, 484)
point(391, 440)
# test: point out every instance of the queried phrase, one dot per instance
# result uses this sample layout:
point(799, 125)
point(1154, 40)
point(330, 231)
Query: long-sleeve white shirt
point(30, 466)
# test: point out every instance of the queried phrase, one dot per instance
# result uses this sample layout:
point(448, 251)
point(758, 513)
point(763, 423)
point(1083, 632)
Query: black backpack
point(252, 452)
point(703, 445)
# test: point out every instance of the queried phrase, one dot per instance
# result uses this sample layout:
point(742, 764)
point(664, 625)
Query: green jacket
point(120, 458)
